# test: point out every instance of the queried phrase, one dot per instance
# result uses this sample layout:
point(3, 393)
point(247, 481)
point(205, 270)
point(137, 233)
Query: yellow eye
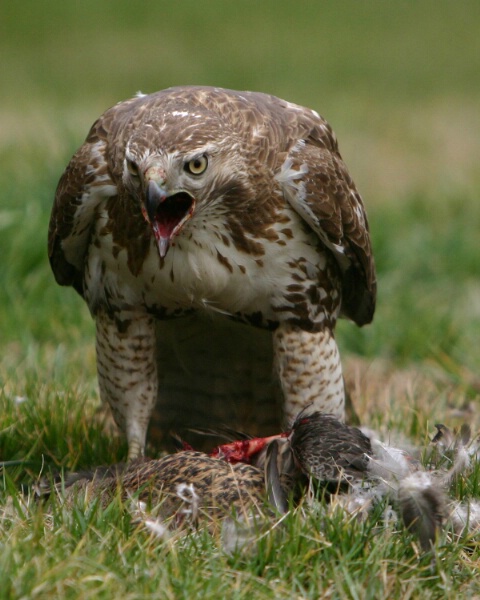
point(196, 166)
point(132, 168)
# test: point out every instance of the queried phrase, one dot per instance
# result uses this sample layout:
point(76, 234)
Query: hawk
point(193, 216)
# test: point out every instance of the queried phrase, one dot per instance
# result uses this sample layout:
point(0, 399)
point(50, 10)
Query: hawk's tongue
point(163, 240)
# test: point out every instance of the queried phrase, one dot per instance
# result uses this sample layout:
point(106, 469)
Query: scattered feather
point(465, 516)
point(157, 527)
point(421, 503)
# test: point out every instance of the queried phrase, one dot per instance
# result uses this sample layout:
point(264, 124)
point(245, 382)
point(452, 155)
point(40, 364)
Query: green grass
point(93, 552)
point(400, 85)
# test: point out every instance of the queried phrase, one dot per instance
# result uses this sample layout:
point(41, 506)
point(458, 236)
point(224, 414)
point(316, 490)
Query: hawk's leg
point(309, 369)
point(127, 372)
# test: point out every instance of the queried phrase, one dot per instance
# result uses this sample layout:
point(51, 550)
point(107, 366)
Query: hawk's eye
point(132, 168)
point(196, 166)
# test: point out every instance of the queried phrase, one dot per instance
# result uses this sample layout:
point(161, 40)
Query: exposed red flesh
point(243, 450)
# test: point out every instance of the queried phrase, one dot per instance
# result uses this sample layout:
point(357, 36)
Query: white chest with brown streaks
point(203, 271)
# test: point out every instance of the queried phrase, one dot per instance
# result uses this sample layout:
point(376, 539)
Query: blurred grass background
point(400, 84)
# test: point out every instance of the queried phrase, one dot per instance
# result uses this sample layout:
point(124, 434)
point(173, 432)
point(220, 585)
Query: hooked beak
point(166, 213)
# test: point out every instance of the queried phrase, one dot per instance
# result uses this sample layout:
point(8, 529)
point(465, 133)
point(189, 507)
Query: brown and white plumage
point(215, 487)
point(203, 201)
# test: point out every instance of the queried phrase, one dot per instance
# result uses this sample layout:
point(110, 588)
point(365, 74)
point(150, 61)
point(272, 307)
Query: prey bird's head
point(176, 175)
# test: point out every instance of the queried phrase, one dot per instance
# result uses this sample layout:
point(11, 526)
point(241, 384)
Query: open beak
point(166, 213)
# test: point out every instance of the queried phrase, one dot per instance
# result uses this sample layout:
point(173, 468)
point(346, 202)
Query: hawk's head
point(179, 168)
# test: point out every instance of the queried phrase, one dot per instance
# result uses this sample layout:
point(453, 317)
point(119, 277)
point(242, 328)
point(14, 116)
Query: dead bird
point(186, 487)
point(234, 477)
point(355, 468)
